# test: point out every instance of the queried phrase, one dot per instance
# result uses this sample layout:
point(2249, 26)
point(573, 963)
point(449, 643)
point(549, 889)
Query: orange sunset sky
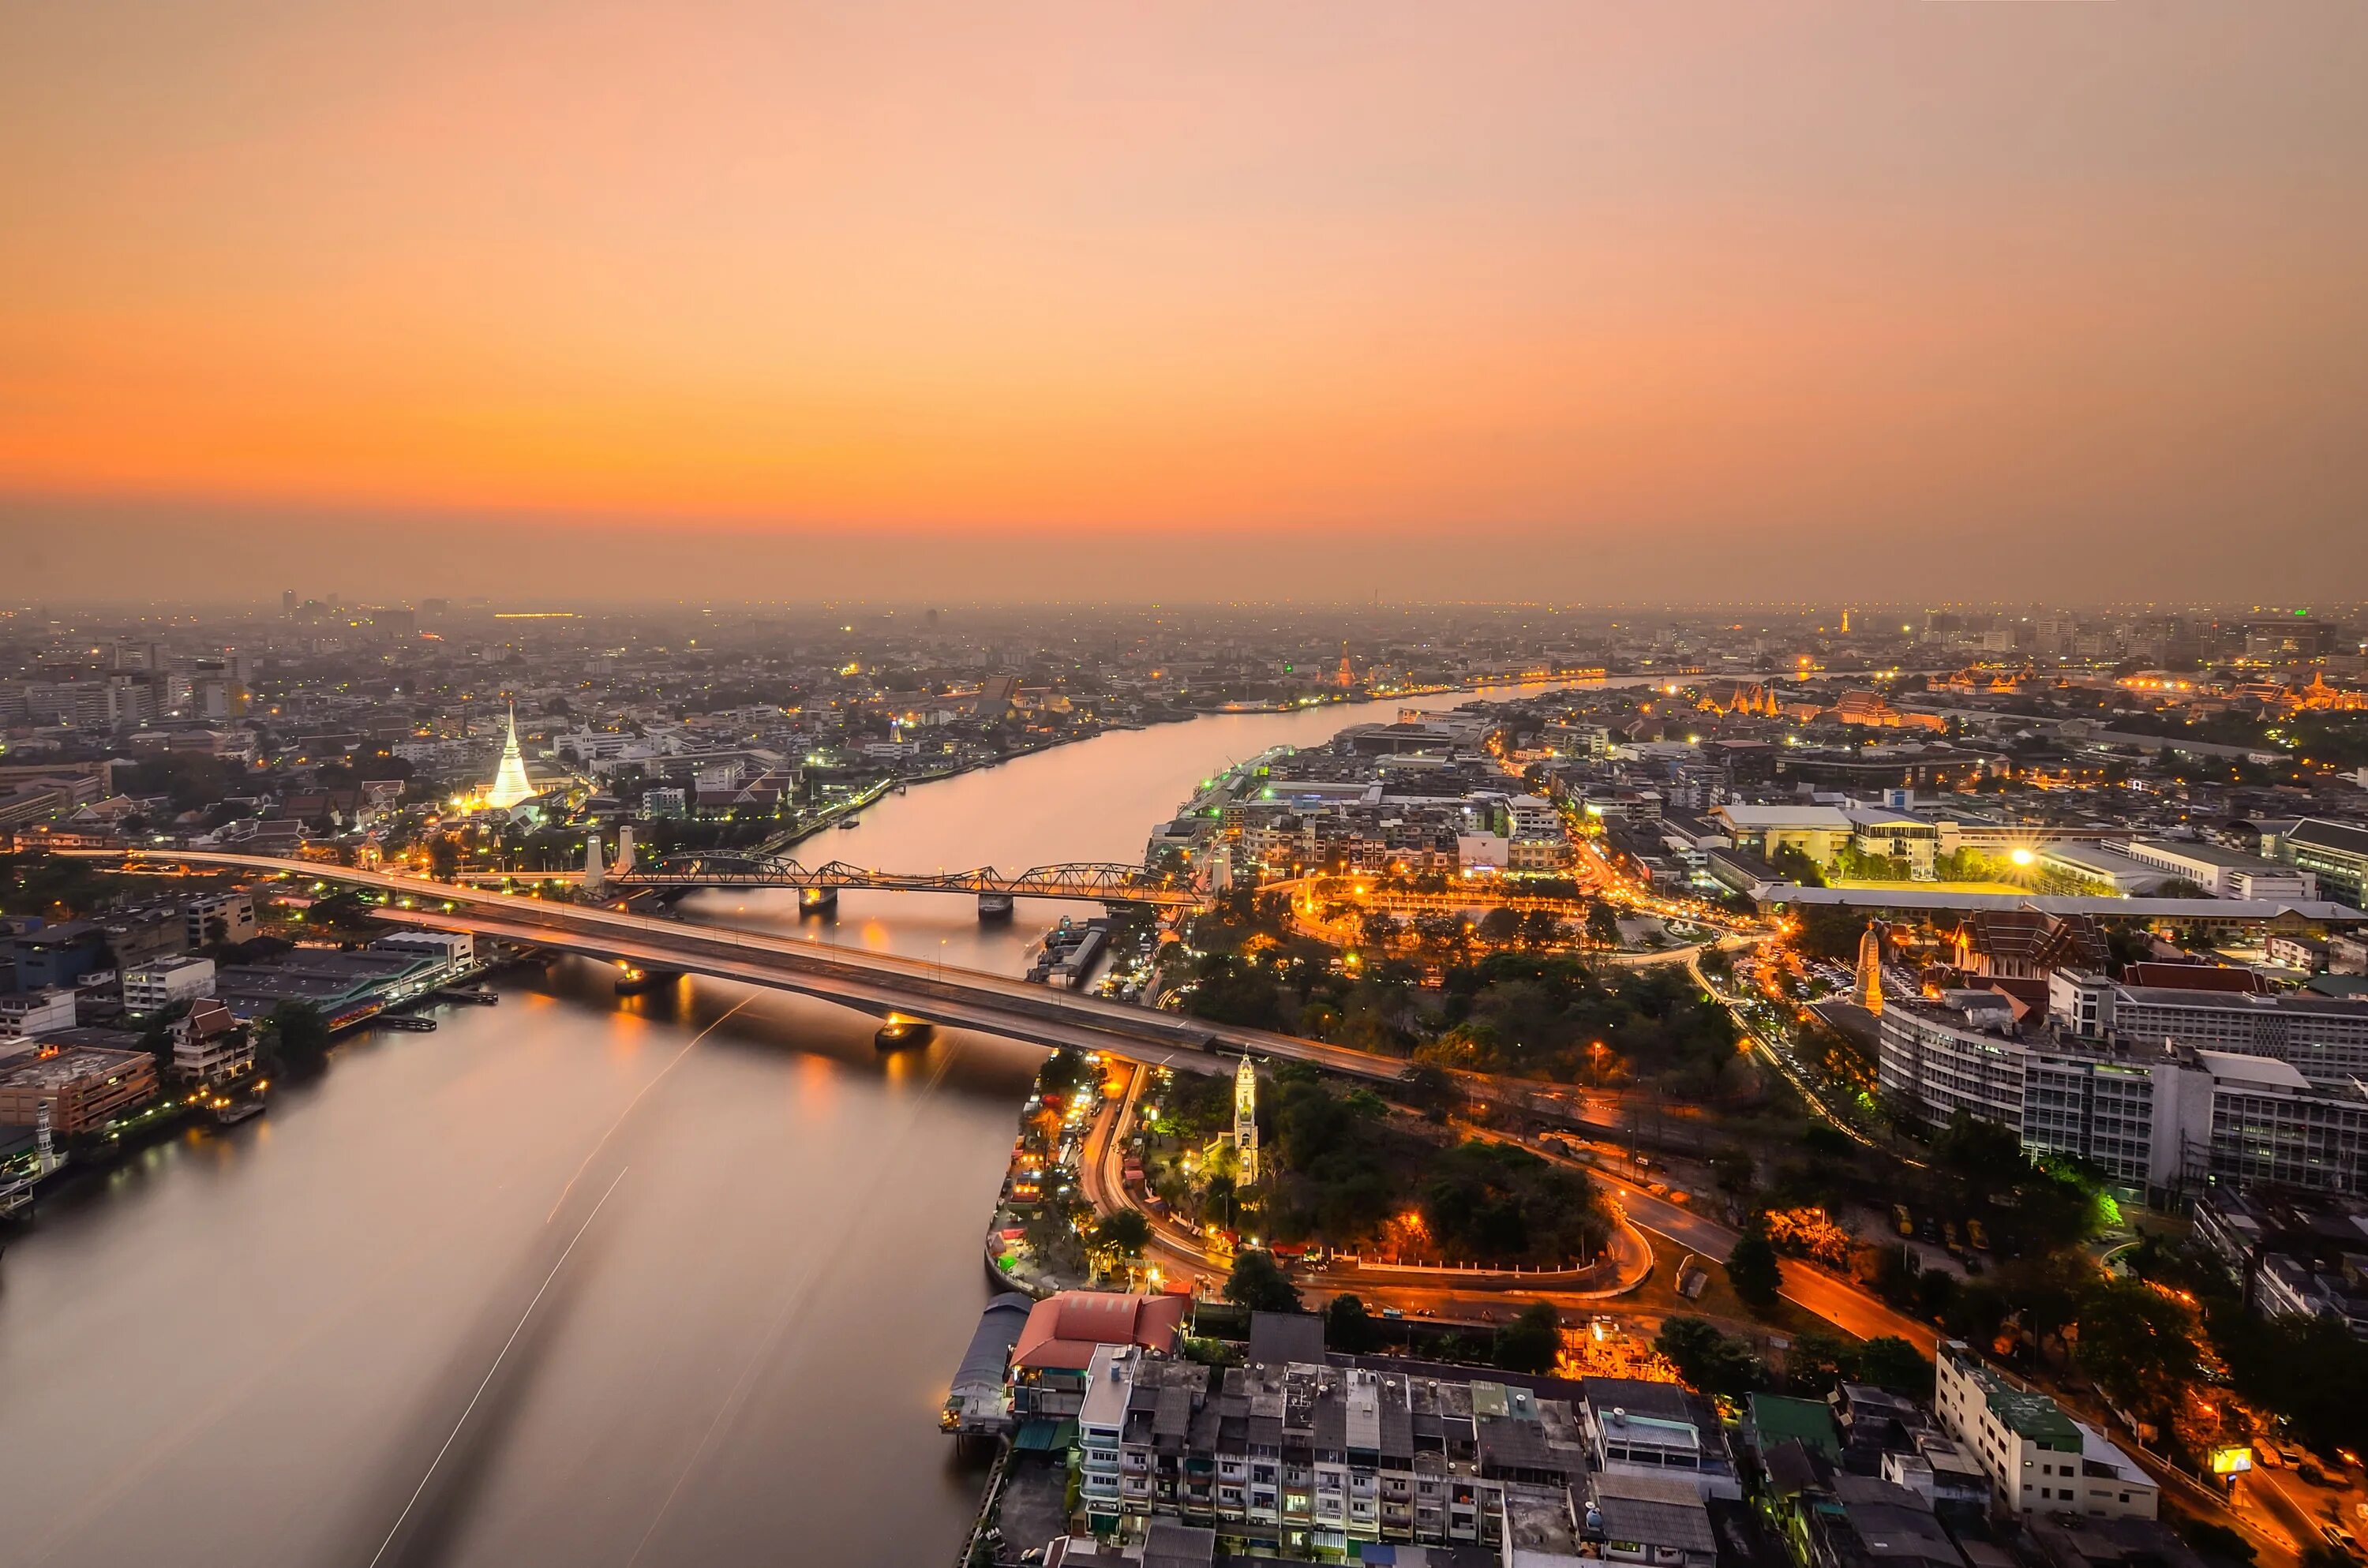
point(1510, 300)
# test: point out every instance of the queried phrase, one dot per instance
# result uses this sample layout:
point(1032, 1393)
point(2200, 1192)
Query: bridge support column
point(817, 900)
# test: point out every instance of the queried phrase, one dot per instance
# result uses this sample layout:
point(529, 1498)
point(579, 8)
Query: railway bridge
point(819, 886)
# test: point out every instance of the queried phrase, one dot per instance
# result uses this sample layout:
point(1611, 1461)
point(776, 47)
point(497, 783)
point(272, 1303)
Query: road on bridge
point(873, 981)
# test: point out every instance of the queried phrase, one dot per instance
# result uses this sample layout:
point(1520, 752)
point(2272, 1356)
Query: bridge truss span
point(1105, 881)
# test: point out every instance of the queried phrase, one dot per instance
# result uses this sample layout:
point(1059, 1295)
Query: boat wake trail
point(430, 1505)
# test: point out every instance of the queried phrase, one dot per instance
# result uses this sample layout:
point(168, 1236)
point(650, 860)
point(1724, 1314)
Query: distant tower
point(45, 1150)
point(1870, 967)
point(510, 783)
point(1346, 677)
point(1246, 1122)
point(1845, 622)
point(625, 865)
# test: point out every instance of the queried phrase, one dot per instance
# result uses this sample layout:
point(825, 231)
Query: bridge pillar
point(595, 878)
point(994, 906)
point(817, 899)
point(624, 866)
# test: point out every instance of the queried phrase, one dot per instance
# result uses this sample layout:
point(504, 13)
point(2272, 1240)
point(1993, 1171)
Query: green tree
point(2140, 1346)
point(1126, 1232)
point(1734, 1171)
point(1539, 928)
point(1500, 925)
point(1891, 1362)
point(1817, 1363)
point(1709, 1360)
point(1428, 1087)
point(1347, 1327)
point(1063, 1071)
point(1602, 925)
point(1533, 1342)
point(295, 1036)
point(1753, 1270)
point(1257, 1283)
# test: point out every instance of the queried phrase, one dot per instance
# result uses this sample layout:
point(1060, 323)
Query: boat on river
point(897, 1033)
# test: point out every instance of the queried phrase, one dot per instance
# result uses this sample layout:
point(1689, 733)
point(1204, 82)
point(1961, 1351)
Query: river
point(672, 1279)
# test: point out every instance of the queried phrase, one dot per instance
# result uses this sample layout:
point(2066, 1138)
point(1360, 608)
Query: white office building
point(2155, 1119)
point(152, 987)
point(2039, 1459)
point(2222, 873)
point(2325, 1038)
point(29, 1014)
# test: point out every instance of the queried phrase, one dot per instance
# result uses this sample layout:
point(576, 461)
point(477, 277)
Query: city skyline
point(813, 304)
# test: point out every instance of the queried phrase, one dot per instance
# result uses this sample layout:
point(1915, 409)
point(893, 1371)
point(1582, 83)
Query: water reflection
point(252, 1346)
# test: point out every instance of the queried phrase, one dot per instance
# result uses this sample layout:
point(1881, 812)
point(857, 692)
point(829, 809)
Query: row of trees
point(1547, 1015)
point(1530, 1343)
point(1337, 1171)
point(1817, 1363)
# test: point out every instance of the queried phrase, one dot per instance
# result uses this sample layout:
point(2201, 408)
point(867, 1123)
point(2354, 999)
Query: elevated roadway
point(1093, 881)
point(875, 982)
point(886, 983)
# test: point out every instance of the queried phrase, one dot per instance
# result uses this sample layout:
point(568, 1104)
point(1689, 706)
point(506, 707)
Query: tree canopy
point(1257, 1283)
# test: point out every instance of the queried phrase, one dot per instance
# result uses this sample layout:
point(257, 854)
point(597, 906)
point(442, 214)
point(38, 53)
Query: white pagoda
point(510, 782)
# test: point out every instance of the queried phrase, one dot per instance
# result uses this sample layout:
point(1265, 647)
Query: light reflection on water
point(248, 1346)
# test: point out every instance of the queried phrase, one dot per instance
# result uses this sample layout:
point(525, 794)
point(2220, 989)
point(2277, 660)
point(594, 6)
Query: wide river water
point(577, 1280)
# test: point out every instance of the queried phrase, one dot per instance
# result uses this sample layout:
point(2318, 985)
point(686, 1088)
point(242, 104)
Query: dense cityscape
point(1573, 785)
point(1726, 1086)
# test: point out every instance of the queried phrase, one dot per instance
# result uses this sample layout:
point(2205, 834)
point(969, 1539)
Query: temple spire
point(510, 782)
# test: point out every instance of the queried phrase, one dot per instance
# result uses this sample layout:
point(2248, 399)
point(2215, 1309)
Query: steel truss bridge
point(1108, 883)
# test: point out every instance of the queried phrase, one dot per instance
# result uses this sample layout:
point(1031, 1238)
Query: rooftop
point(1063, 1330)
point(56, 1070)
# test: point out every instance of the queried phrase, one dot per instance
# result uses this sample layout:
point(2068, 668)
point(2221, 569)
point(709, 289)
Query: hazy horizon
point(1578, 301)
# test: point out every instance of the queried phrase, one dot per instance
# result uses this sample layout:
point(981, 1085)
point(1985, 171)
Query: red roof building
point(1064, 1331)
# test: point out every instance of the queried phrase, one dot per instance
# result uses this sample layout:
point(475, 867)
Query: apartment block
point(164, 982)
point(2040, 1461)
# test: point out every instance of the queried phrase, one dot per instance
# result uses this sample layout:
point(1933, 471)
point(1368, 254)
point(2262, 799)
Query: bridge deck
point(874, 982)
point(1101, 882)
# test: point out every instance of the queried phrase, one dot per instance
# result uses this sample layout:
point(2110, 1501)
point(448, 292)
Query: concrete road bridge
point(876, 983)
point(818, 886)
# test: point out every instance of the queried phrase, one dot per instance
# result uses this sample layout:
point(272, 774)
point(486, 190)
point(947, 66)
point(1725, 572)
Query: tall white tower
point(1246, 1122)
point(510, 782)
